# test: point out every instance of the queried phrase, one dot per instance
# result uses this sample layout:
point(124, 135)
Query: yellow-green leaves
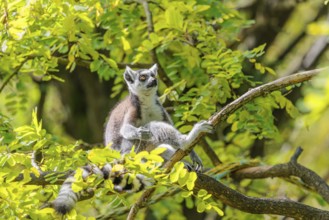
point(34, 134)
point(204, 203)
point(174, 18)
point(125, 44)
point(184, 178)
point(102, 156)
point(78, 183)
point(203, 200)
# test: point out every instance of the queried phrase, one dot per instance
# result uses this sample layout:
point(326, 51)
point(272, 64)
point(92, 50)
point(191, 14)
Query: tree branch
point(12, 75)
point(230, 197)
point(211, 153)
point(46, 178)
point(224, 113)
point(254, 205)
point(292, 168)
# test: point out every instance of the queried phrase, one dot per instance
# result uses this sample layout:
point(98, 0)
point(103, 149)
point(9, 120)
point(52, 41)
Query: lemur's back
point(115, 121)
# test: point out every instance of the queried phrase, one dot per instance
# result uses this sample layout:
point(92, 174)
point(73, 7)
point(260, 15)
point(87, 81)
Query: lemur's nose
point(153, 82)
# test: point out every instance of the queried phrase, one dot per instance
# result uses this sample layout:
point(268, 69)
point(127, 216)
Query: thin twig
point(12, 75)
point(296, 155)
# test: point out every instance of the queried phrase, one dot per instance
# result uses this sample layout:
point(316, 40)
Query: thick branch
point(292, 168)
point(230, 197)
point(254, 205)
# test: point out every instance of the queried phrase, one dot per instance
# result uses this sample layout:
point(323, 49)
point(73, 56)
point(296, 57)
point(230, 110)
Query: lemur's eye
point(142, 78)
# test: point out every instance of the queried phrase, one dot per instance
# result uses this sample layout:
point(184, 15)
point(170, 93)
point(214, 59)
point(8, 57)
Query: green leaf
point(200, 8)
point(189, 202)
point(174, 18)
point(10, 160)
point(95, 65)
point(202, 193)
point(201, 206)
point(159, 150)
point(110, 61)
point(125, 44)
point(109, 184)
point(174, 176)
point(183, 177)
point(187, 194)
point(101, 156)
point(26, 176)
point(218, 210)
point(191, 180)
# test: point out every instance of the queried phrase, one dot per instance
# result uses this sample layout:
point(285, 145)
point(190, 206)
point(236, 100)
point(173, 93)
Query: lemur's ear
point(129, 75)
point(154, 69)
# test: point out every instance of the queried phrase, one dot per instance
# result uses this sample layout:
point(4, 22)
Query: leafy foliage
point(203, 51)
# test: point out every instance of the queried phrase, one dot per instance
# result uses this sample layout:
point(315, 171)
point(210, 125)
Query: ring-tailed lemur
point(139, 120)
point(125, 126)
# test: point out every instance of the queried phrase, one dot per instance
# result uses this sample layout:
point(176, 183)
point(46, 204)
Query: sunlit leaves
point(184, 178)
point(101, 156)
point(125, 44)
point(174, 19)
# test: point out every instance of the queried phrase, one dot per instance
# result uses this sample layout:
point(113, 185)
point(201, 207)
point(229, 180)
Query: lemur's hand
point(203, 126)
point(144, 133)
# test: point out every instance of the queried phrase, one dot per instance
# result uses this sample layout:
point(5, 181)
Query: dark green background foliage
point(66, 59)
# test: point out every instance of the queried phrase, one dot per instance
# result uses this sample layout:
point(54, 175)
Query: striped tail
point(122, 182)
point(67, 198)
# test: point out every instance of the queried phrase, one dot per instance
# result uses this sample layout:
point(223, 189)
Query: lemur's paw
point(204, 126)
point(144, 134)
point(197, 163)
point(197, 168)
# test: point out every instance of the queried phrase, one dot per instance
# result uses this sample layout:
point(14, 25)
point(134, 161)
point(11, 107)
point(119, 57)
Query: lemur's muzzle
point(152, 83)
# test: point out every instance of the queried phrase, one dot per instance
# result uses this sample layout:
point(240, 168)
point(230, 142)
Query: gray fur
point(67, 198)
point(169, 137)
point(127, 121)
point(139, 108)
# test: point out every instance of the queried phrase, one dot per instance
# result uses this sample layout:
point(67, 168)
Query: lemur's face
point(142, 82)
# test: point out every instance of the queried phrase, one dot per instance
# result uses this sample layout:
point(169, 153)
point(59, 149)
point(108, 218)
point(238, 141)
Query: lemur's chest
point(150, 112)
